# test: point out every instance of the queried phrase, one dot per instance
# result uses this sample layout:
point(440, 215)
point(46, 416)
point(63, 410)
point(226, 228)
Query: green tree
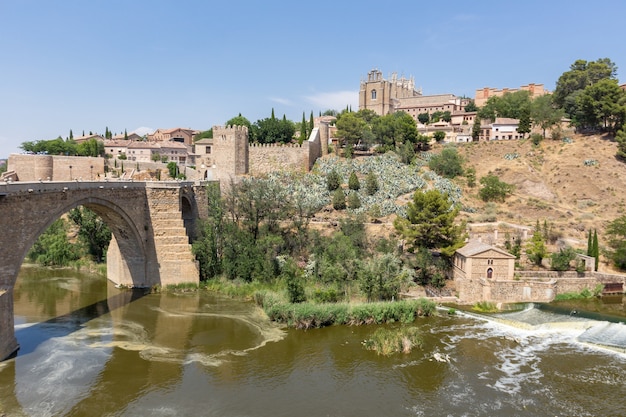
point(430, 223)
point(354, 202)
point(333, 180)
point(53, 247)
point(476, 129)
point(524, 125)
point(561, 260)
point(471, 107)
point(92, 231)
point(339, 199)
point(371, 183)
point(493, 189)
point(581, 75)
point(351, 128)
point(470, 174)
point(353, 182)
point(620, 138)
point(423, 118)
point(209, 246)
point(595, 249)
point(536, 249)
point(602, 105)
point(273, 130)
point(616, 235)
point(439, 135)
point(449, 163)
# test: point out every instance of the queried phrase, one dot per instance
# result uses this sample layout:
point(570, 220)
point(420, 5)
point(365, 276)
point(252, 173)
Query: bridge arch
point(151, 224)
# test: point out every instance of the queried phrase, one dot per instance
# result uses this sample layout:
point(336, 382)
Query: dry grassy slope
point(552, 183)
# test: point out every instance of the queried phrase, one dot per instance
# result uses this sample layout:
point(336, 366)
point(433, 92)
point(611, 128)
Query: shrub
point(371, 183)
point(386, 341)
point(353, 182)
point(333, 180)
point(339, 199)
point(354, 202)
point(494, 189)
point(448, 163)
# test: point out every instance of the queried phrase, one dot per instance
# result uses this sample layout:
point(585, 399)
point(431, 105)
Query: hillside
point(553, 183)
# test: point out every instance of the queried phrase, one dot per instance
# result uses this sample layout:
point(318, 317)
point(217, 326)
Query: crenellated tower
point(230, 144)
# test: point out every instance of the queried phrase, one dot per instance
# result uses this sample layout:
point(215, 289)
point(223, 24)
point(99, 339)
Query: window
point(489, 273)
point(373, 94)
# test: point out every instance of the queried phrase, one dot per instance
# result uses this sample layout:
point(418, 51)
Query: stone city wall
point(266, 158)
point(55, 167)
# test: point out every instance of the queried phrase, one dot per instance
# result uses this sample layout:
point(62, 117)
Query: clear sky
point(126, 64)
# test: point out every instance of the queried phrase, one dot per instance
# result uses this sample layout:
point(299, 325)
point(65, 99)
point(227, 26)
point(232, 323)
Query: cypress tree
point(71, 135)
point(125, 135)
point(311, 122)
point(303, 133)
point(273, 117)
point(589, 244)
point(353, 182)
point(595, 249)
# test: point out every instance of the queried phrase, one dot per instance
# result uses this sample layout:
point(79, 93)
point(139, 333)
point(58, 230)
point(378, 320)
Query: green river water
point(89, 349)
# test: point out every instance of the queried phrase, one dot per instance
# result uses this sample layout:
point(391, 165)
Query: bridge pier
point(8, 342)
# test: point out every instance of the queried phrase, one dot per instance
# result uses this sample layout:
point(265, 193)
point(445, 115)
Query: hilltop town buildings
point(386, 96)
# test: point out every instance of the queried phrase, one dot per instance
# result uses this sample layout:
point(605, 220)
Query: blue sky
point(126, 64)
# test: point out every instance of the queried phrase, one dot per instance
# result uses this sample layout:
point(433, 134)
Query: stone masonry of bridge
point(151, 223)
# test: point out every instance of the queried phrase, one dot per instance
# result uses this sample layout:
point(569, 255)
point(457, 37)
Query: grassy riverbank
point(273, 299)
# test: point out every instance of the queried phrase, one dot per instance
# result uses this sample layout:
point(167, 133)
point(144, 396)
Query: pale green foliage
point(536, 249)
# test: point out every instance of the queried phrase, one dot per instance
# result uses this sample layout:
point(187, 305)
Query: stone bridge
point(152, 224)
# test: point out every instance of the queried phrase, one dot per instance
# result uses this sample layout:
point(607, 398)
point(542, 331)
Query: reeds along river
point(87, 350)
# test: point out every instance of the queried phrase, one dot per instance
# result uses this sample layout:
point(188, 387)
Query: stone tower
point(230, 144)
point(381, 95)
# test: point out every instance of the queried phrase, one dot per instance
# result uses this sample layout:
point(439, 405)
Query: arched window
point(373, 94)
point(489, 273)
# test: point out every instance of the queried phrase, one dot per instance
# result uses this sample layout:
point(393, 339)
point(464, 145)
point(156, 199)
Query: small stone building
point(477, 264)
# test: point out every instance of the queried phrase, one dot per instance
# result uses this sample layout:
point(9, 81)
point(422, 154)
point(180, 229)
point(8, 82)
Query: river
point(90, 349)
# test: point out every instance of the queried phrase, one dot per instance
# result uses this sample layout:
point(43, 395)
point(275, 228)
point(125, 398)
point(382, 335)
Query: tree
point(353, 182)
point(273, 130)
point(53, 247)
point(92, 231)
point(439, 135)
point(620, 138)
point(470, 174)
point(471, 107)
point(430, 223)
point(581, 75)
point(333, 180)
point(423, 118)
point(602, 105)
point(476, 129)
point(354, 202)
point(493, 189)
point(351, 128)
point(560, 261)
point(448, 163)
point(339, 199)
point(595, 250)
point(536, 248)
point(524, 125)
point(371, 183)
point(616, 234)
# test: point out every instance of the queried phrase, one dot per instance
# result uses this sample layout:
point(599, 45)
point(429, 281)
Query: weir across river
point(152, 224)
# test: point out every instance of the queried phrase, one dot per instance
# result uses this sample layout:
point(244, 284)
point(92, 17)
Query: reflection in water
point(197, 354)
